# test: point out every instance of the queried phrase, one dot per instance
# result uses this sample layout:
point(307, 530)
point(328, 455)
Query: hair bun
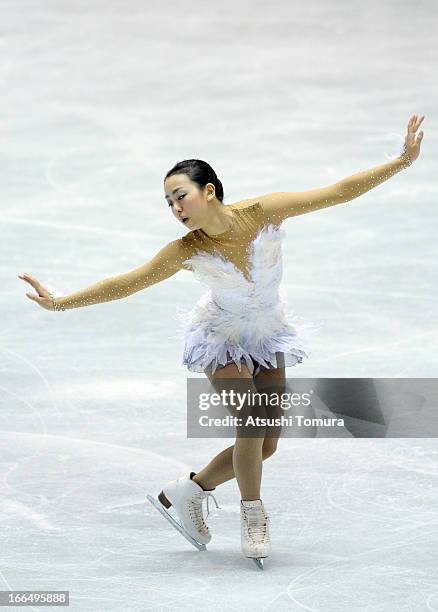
point(200, 172)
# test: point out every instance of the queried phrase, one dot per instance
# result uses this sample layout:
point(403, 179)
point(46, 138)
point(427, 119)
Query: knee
point(269, 447)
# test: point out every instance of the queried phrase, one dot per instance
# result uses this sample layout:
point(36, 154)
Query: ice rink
point(98, 101)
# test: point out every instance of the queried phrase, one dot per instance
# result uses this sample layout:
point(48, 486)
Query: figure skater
point(239, 328)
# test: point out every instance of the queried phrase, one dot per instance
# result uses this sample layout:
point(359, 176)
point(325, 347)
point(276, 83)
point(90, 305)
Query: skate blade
point(258, 561)
point(175, 523)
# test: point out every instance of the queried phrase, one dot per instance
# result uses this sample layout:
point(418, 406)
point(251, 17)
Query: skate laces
point(217, 505)
point(195, 508)
point(256, 522)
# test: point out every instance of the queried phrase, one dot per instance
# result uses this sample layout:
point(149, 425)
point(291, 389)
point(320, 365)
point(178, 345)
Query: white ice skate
point(254, 523)
point(186, 497)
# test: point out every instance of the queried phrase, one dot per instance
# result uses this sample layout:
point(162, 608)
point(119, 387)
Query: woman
point(238, 329)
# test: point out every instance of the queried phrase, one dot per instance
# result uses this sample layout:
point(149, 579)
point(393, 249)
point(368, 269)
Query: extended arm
point(278, 206)
point(281, 205)
point(163, 265)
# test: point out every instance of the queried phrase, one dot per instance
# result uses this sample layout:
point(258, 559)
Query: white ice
point(98, 100)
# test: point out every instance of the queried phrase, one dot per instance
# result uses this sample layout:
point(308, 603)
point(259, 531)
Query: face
point(187, 201)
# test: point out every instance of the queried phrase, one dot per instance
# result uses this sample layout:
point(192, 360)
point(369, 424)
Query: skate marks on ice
point(72, 510)
point(341, 587)
point(74, 497)
point(374, 524)
point(372, 540)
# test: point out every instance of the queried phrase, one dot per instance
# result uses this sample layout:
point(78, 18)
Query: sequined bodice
point(229, 287)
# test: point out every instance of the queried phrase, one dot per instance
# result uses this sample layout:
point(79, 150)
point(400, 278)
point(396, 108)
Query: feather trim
point(239, 318)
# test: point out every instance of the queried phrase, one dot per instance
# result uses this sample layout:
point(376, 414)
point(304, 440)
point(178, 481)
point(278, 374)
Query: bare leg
point(220, 469)
point(244, 459)
point(247, 463)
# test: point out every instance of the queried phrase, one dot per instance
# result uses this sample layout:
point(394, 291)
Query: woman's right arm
point(164, 264)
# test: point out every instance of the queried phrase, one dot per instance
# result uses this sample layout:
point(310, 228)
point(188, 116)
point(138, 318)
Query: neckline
point(233, 219)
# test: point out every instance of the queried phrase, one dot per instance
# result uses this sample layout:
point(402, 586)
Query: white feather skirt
point(237, 318)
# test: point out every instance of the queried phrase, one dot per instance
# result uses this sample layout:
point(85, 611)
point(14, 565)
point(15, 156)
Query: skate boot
point(254, 523)
point(186, 496)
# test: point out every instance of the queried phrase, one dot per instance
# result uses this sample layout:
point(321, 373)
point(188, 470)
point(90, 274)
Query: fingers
point(418, 123)
point(33, 297)
point(41, 301)
point(29, 279)
point(32, 281)
point(414, 123)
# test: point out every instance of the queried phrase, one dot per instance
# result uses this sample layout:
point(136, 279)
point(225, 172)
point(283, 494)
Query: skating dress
point(242, 316)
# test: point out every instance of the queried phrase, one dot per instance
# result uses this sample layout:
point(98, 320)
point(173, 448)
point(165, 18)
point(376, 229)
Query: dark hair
point(200, 173)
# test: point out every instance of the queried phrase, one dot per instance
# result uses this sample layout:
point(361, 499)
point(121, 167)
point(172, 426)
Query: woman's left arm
point(281, 205)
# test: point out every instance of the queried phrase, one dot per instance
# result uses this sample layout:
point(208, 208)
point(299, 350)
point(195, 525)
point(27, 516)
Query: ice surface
point(98, 100)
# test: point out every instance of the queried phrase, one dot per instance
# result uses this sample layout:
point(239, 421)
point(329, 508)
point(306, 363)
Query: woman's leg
point(272, 381)
point(243, 460)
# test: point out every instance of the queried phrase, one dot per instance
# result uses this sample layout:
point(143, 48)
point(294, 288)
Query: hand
point(412, 143)
point(43, 298)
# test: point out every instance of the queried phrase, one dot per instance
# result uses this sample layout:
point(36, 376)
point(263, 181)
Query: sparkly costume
point(242, 315)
